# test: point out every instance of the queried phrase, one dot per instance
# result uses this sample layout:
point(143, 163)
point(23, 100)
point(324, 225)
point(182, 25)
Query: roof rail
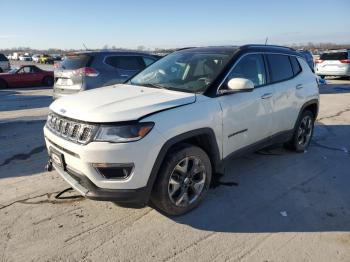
point(260, 45)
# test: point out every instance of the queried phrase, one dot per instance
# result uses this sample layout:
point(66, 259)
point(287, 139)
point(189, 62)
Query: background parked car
point(56, 57)
point(4, 63)
point(46, 59)
point(87, 70)
point(25, 58)
point(308, 57)
point(334, 63)
point(35, 58)
point(26, 76)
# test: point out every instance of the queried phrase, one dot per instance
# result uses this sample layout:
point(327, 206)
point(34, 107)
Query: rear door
point(125, 66)
point(286, 83)
point(69, 74)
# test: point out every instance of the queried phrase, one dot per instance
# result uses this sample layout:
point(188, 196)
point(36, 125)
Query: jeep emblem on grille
point(62, 111)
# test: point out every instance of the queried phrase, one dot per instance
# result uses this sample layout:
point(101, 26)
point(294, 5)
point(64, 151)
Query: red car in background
point(28, 75)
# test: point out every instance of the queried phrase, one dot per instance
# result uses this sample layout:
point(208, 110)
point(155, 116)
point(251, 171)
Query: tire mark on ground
point(251, 250)
point(113, 236)
point(190, 246)
point(57, 215)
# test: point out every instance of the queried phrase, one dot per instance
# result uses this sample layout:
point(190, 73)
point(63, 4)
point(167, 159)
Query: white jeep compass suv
point(164, 134)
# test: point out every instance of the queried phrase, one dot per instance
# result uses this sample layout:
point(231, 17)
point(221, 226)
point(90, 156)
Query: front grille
point(69, 129)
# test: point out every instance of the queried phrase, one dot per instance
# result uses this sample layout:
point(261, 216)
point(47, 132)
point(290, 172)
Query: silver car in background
point(334, 63)
point(92, 69)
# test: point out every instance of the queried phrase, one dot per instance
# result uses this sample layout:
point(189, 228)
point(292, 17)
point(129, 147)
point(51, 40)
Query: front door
point(247, 116)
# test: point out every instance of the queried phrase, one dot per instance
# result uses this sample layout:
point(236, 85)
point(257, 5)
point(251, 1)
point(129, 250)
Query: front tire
point(48, 81)
point(302, 133)
point(3, 84)
point(183, 180)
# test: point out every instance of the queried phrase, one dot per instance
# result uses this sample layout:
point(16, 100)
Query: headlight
point(123, 133)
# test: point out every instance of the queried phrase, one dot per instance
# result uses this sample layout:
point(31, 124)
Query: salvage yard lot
point(272, 205)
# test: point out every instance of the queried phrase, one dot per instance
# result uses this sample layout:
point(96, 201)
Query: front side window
point(25, 70)
point(280, 67)
point(189, 71)
point(250, 67)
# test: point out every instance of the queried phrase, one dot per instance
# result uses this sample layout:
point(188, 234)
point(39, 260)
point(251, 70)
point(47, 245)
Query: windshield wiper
point(153, 86)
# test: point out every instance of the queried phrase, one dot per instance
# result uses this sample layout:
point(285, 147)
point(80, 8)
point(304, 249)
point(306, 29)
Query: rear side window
point(280, 67)
point(3, 58)
point(148, 61)
point(334, 56)
point(73, 62)
point(126, 62)
point(295, 65)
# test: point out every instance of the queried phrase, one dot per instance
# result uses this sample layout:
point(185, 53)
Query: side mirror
point(240, 84)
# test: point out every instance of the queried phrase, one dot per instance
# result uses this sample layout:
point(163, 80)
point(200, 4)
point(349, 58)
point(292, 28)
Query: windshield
point(183, 71)
point(13, 70)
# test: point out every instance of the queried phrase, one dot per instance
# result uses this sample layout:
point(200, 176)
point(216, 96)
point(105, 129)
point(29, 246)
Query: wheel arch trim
point(214, 154)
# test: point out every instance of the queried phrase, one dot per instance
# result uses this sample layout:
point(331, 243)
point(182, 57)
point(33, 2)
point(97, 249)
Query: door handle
point(266, 96)
point(299, 86)
point(124, 75)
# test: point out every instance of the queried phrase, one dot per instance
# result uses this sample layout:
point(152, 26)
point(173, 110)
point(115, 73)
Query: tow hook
point(48, 166)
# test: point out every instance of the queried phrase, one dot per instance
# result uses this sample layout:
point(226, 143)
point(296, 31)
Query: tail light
point(345, 61)
point(86, 71)
point(318, 61)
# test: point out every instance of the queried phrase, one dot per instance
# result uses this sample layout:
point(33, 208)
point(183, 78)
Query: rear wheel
point(48, 81)
point(183, 180)
point(3, 84)
point(302, 133)
point(1, 70)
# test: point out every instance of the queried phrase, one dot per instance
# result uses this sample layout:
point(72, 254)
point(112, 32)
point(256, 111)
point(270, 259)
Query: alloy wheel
point(187, 181)
point(305, 131)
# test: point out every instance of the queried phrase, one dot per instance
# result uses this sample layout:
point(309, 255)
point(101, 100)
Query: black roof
point(243, 48)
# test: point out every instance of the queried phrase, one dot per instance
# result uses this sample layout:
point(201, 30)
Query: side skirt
point(280, 137)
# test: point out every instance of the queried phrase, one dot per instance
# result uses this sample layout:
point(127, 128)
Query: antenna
point(266, 40)
point(85, 46)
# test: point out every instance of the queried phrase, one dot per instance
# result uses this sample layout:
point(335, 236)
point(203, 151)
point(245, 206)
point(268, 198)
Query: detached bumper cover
point(89, 190)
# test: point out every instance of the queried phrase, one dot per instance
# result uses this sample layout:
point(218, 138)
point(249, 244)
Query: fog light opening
point(114, 171)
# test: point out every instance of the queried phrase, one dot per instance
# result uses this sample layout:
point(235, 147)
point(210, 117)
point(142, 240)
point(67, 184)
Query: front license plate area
point(57, 158)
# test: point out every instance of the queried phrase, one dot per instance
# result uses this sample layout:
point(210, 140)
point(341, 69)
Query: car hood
point(119, 103)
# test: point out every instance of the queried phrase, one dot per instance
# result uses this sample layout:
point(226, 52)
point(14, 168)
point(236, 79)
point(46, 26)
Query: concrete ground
point(273, 205)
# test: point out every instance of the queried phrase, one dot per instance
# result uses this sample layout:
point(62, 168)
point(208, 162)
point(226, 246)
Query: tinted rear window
point(75, 62)
point(334, 56)
point(3, 58)
point(280, 67)
point(126, 62)
point(295, 65)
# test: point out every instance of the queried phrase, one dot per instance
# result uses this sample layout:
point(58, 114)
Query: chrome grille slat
point(75, 131)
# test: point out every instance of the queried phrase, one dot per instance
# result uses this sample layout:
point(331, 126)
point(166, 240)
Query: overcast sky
point(70, 23)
